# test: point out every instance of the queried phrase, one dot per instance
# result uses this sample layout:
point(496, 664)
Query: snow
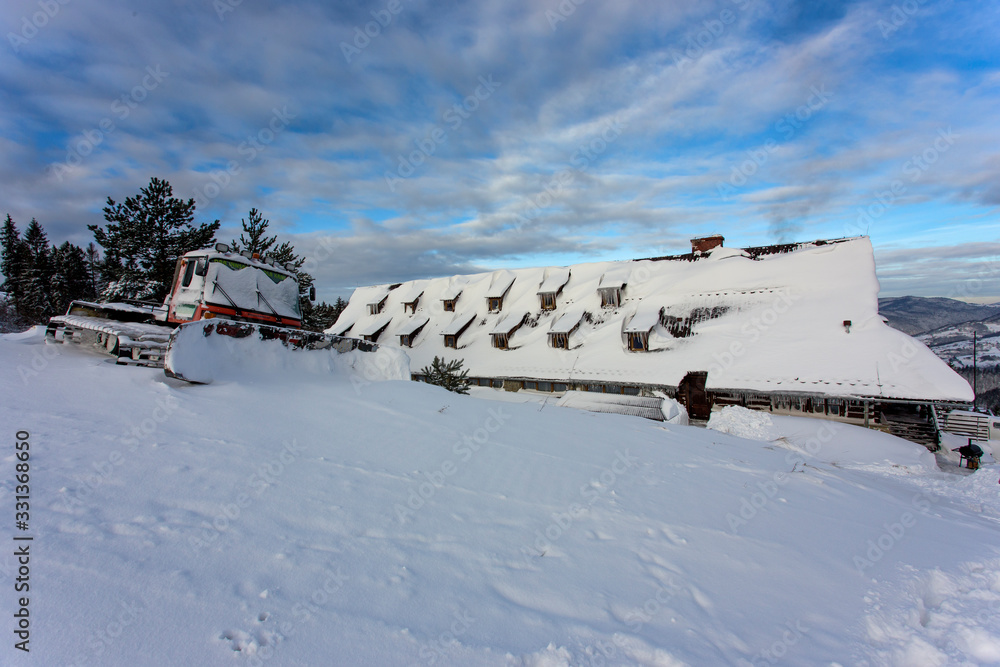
point(452, 288)
point(413, 324)
point(646, 317)
point(778, 326)
point(555, 280)
point(290, 516)
point(567, 322)
point(833, 442)
point(374, 326)
point(500, 283)
point(509, 322)
point(120, 307)
point(458, 323)
point(674, 412)
point(220, 358)
point(251, 290)
point(615, 278)
point(414, 292)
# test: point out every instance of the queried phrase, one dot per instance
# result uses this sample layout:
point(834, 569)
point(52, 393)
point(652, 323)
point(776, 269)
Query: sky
point(402, 139)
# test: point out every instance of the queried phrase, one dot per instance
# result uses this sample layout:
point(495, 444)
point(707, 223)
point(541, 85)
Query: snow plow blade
point(208, 350)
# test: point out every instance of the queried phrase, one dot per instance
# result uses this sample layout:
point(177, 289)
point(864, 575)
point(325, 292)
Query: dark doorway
point(691, 393)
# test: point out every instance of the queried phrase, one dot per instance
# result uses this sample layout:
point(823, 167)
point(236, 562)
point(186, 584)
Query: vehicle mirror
point(202, 268)
point(312, 292)
point(222, 247)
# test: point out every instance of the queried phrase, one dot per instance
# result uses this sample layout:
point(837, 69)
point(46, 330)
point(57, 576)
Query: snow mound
point(674, 412)
point(35, 334)
point(203, 358)
point(743, 423)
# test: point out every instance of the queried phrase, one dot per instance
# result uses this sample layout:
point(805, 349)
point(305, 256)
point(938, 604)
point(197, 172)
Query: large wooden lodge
point(791, 328)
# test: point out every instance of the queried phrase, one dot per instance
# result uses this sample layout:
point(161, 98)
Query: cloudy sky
point(397, 139)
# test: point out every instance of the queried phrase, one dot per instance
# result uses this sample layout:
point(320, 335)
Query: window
point(406, 341)
point(496, 303)
point(548, 301)
point(376, 308)
point(496, 384)
point(638, 342)
point(530, 384)
point(559, 386)
point(611, 298)
point(188, 273)
point(559, 340)
point(449, 305)
point(451, 341)
point(500, 341)
point(544, 386)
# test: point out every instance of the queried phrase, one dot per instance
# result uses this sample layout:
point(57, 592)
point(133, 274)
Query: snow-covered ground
point(321, 518)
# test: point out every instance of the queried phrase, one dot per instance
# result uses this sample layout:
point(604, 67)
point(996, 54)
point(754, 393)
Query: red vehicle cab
point(228, 285)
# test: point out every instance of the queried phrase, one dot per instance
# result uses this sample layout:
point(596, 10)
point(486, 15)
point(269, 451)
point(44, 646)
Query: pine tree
point(37, 304)
point(13, 262)
point(143, 239)
point(94, 269)
point(448, 375)
point(71, 279)
point(254, 238)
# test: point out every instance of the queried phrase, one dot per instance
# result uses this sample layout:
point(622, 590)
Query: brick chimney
point(706, 243)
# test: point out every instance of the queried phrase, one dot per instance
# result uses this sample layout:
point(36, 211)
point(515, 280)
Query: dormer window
point(450, 301)
point(552, 286)
point(612, 286)
point(611, 297)
point(499, 288)
point(376, 307)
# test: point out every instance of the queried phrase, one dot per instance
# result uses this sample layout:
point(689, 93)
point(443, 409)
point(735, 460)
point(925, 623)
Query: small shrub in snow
point(448, 375)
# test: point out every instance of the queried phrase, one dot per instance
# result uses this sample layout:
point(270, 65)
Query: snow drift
point(199, 357)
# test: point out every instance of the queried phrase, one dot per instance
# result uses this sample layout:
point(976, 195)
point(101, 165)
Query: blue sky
point(400, 139)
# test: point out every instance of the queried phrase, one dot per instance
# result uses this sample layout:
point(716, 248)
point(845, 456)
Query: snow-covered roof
point(567, 322)
point(646, 317)
point(771, 324)
point(501, 282)
point(412, 325)
point(377, 296)
point(373, 326)
point(341, 326)
point(511, 321)
point(452, 287)
point(615, 278)
point(411, 292)
point(458, 323)
point(554, 281)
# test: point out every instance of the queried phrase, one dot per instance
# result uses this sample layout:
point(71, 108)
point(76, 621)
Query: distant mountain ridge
point(947, 326)
point(917, 314)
